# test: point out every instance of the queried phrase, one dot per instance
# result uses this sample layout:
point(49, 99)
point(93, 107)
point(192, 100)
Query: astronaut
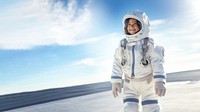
point(141, 64)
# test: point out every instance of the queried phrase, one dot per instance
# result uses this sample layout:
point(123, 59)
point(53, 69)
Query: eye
point(133, 25)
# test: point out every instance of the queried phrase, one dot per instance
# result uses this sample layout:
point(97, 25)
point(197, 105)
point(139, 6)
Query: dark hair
point(126, 25)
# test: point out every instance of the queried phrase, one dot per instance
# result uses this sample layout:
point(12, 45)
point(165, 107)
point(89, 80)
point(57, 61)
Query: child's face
point(133, 27)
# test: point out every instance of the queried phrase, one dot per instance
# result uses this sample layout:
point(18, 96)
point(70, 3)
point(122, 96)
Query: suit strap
point(144, 51)
point(123, 43)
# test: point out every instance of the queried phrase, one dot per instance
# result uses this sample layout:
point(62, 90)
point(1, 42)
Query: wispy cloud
point(155, 23)
point(103, 48)
point(180, 38)
point(40, 22)
point(86, 61)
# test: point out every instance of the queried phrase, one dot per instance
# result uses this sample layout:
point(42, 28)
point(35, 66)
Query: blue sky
point(58, 43)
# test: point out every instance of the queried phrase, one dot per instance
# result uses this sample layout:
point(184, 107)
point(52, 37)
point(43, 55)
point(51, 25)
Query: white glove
point(160, 88)
point(116, 88)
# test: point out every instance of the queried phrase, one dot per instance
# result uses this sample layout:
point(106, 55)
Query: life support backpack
point(144, 60)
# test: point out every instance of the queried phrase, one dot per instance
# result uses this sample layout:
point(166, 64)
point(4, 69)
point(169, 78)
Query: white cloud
point(158, 22)
point(86, 61)
point(102, 60)
point(40, 22)
point(180, 38)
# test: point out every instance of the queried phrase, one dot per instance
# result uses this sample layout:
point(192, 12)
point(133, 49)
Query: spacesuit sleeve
point(158, 64)
point(116, 76)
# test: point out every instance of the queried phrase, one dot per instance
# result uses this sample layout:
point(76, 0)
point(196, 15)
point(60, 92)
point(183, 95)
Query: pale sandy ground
point(181, 97)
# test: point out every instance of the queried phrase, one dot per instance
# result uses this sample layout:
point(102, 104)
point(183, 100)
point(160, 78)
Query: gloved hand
point(116, 88)
point(160, 88)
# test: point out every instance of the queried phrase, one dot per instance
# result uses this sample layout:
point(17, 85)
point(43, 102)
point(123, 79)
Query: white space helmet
point(144, 24)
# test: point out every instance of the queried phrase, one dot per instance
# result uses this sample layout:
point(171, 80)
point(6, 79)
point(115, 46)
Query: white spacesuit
point(141, 65)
